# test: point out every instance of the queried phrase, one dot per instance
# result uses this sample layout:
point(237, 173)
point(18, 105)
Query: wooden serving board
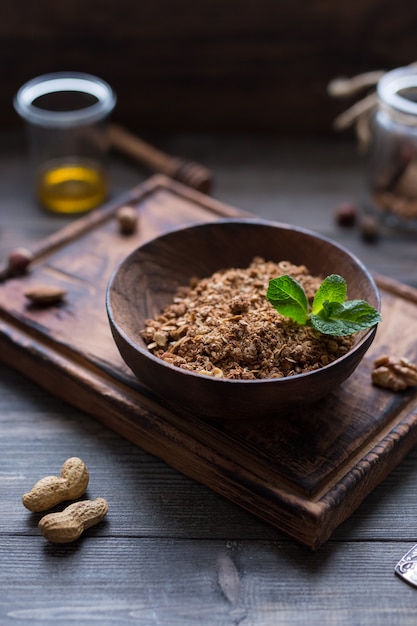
point(303, 473)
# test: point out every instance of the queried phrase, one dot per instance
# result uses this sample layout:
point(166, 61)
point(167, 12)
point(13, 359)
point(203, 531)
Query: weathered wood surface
point(304, 473)
point(172, 551)
point(211, 65)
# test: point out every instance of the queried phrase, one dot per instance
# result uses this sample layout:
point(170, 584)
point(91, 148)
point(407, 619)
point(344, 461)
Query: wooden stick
point(187, 172)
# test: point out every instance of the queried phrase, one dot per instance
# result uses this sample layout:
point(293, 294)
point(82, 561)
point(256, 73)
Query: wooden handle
point(187, 172)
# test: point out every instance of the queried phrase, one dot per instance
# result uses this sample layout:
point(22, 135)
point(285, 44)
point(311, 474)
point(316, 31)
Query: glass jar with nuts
point(393, 150)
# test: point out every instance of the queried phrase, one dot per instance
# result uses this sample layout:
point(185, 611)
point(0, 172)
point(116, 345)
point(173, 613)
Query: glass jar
point(65, 116)
point(393, 149)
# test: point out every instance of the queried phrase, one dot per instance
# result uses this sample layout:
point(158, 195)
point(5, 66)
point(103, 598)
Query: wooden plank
point(142, 588)
point(214, 66)
point(304, 476)
point(146, 496)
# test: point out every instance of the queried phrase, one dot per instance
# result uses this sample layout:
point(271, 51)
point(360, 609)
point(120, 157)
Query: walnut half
point(395, 373)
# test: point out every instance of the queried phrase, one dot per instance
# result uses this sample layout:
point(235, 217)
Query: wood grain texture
point(304, 473)
point(156, 560)
point(148, 498)
point(136, 573)
point(212, 66)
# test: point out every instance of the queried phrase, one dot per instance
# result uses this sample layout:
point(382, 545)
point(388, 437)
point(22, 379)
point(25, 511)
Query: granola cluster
point(223, 326)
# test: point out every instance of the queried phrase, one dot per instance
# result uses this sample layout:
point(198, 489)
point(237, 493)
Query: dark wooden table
point(170, 551)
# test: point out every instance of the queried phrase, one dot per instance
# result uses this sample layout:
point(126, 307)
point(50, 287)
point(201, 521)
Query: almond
point(45, 294)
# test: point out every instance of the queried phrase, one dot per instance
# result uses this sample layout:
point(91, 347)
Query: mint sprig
point(331, 313)
point(289, 298)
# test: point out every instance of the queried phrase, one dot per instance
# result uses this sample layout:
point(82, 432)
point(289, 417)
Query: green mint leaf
point(326, 311)
point(288, 297)
point(345, 318)
point(332, 289)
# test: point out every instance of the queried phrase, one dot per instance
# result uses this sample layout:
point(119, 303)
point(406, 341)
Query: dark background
point(208, 65)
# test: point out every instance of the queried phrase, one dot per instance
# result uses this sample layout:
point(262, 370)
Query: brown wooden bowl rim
point(367, 334)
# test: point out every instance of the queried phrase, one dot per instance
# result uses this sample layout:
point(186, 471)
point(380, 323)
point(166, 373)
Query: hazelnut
point(127, 218)
point(346, 213)
point(19, 260)
point(369, 228)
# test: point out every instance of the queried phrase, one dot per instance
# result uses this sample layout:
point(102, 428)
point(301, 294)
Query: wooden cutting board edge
point(147, 424)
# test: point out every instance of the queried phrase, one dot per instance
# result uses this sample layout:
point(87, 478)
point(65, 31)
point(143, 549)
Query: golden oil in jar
point(72, 187)
point(65, 115)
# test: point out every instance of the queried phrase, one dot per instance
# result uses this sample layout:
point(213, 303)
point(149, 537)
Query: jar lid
point(77, 98)
point(398, 89)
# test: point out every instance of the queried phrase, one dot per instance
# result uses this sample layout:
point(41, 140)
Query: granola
point(223, 326)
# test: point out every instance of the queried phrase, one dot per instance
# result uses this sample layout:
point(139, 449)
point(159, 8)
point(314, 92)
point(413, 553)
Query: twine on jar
point(359, 114)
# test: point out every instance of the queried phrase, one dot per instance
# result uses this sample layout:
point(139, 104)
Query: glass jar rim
point(392, 83)
point(64, 82)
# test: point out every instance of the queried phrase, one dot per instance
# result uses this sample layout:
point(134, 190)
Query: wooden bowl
point(148, 278)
